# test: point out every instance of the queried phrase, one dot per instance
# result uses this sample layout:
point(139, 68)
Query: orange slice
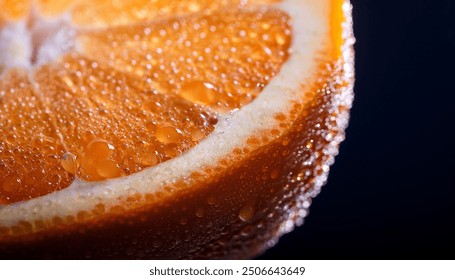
point(166, 129)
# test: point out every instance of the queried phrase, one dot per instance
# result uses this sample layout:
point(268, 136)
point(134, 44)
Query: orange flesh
point(137, 95)
point(14, 9)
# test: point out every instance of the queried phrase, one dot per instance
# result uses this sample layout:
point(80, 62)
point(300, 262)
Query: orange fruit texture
point(166, 129)
point(138, 95)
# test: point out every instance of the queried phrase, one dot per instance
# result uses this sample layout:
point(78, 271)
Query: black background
point(391, 192)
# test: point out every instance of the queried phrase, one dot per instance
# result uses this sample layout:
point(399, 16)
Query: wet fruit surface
point(135, 93)
point(248, 174)
point(242, 206)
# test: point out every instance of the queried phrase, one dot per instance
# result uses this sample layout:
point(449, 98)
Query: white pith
point(310, 37)
point(35, 41)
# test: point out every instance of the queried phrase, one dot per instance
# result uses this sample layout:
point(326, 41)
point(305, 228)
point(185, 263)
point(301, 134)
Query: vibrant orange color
point(124, 100)
point(14, 9)
point(337, 16)
point(111, 111)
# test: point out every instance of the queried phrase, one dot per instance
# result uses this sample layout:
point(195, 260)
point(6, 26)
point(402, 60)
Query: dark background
point(391, 192)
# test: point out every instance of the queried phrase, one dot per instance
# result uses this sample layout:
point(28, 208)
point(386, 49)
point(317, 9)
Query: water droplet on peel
point(298, 177)
point(68, 82)
point(99, 149)
point(169, 134)
point(108, 169)
point(149, 159)
point(69, 163)
point(280, 39)
point(303, 213)
point(197, 134)
point(325, 168)
point(309, 144)
point(247, 212)
point(153, 106)
point(171, 150)
point(199, 92)
point(306, 204)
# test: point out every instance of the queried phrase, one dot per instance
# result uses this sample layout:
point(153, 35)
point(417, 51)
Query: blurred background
point(391, 192)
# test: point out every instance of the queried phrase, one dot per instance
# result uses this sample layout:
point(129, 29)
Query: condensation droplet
point(197, 134)
point(199, 92)
point(169, 134)
point(247, 212)
point(309, 144)
point(108, 169)
point(149, 159)
point(99, 149)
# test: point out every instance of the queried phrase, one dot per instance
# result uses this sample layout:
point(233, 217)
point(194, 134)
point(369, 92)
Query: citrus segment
point(113, 127)
point(254, 170)
point(222, 60)
point(113, 13)
point(30, 149)
point(138, 95)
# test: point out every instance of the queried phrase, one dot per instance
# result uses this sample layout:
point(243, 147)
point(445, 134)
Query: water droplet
point(325, 168)
point(108, 169)
point(247, 212)
point(149, 158)
point(169, 134)
point(280, 39)
point(309, 144)
point(99, 149)
point(171, 150)
point(303, 213)
point(199, 92)
point(197, 134)
point(306, 203)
